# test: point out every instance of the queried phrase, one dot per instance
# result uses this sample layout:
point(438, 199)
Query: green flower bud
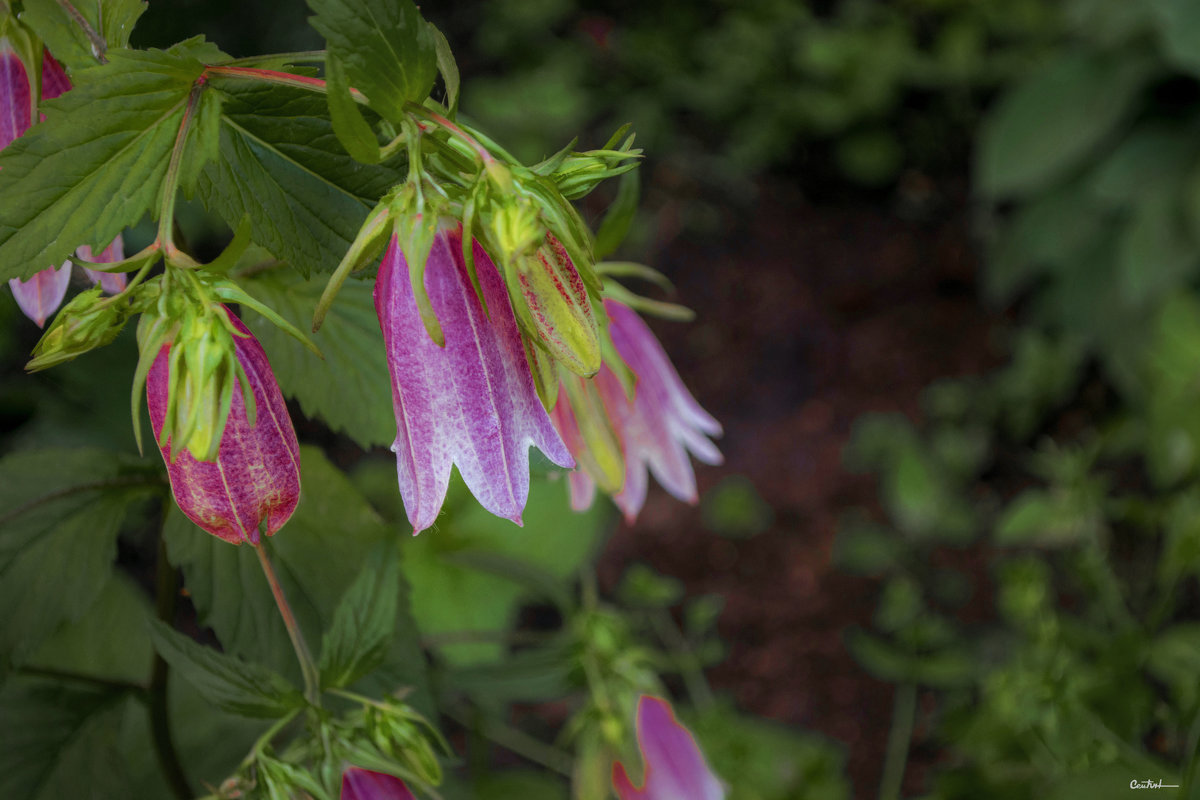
point(85, 323)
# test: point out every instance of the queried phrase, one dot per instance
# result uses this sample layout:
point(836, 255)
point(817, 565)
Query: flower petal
point(471, 403)
point(111, 282)
point(256, 475)
point(365, 784)
point(41, 295)
point(15, 100)
point(675, 768)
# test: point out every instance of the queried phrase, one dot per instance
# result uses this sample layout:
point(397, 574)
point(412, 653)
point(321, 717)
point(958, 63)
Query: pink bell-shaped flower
point(364, 784)
point(674, 767)
point(470, 403)
point(658, 427)
point(256, 475)
point(41, 295)
point(111, 282)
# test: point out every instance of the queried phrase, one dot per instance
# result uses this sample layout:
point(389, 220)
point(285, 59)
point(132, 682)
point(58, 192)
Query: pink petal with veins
point(471, 403)
point(675, 768)
point(256, 476)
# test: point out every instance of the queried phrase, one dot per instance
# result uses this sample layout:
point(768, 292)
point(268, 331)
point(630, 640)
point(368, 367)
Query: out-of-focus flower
point(471, 403)
point(256, 474)
point(579, 415)
point(111, 282)
point(364, 784)
point(43, 293)
point(658, 427)
point(674, 767)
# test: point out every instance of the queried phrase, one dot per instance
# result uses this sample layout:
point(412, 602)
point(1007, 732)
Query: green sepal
point(545, 376)
point(154, 331)
point(230, 291)
point(617, 364)
point(351, 127)
point(632, 269)
point(372, 237)
point(658, 308)
point(414, 234)
point(615, 225)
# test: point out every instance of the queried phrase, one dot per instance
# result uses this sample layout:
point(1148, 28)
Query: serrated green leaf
point(1049, 123)
point(364, 622)
point(70, 30)
point(96, 165)
point(61, 741)
point(387, 48)
point(237, 686)
point(282, 166)
point(62, 512)
point(108, 641)
point(317, 557)
point(350, 390)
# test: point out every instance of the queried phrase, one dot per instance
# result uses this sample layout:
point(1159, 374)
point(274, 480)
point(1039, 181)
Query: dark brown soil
point(808, 317)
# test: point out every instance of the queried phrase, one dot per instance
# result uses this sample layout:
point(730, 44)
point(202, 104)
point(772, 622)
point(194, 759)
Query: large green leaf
point(471, 570)
point(62, 510)
point(282, 165)
point(237, 686)
point(388, 50)
point(65, 34)
point(1050, 123)
point(59, 741)
point(96, 165)
point(317, 556)
point(364, 622)
point(350, 389)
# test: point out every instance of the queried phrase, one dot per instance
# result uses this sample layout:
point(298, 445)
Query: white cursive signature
point(1150, 783)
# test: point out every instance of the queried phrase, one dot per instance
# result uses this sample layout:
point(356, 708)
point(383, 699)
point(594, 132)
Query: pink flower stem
point(308, 667)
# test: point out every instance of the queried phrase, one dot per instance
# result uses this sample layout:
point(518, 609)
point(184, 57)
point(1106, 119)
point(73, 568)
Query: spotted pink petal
point(40, 296)
point(15, 99)
point(256, 475)
point(364, 784)
point(471, 403)
point(675, 768)
point(662, 423)
point(54, 78)
point(111, 282)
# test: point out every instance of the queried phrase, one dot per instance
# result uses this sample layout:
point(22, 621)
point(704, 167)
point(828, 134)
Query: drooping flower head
point(255, 477)
point(673, 766)
point(471, 402)
point(364, 784)
point(657, 428)
point(42, 294)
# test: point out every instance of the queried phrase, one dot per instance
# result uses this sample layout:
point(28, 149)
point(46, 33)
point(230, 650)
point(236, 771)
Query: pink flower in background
point(256, 475)
point(363, 784)
point(659, 426)
point(674, 767)
point(112, 282)
point(471, 403)
point(43, 293)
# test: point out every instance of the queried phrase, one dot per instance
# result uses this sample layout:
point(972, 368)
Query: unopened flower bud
point(365, 784)
point(85, 323)
point(559, 308)
point(255, 478)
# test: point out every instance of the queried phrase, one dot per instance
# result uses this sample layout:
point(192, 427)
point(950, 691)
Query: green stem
point(165, 591)
point(166, 212)
point(517, 741)
point(691, 670)
point(308, 667)
point(899, 737)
